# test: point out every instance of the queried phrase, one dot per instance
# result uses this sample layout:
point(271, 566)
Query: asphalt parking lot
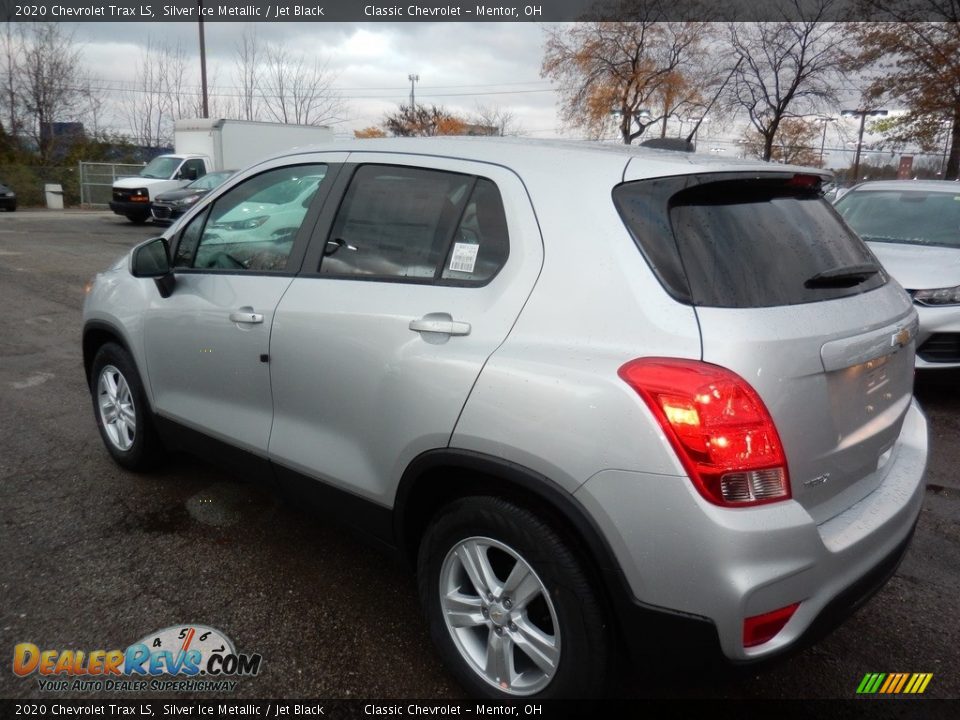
point(94, 557)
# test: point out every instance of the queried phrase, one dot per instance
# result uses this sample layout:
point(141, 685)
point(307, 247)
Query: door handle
point(246, 316)
point(442, 326)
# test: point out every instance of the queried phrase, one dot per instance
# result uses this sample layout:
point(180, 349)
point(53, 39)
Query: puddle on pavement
point(219, 506)
point(225, 504)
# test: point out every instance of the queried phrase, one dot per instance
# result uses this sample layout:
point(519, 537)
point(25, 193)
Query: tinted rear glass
point(743, 242)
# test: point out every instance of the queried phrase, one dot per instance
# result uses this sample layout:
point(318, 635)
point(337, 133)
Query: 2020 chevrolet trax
point(594, 394)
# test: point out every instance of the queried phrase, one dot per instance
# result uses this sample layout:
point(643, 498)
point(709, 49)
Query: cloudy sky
point(460, 65)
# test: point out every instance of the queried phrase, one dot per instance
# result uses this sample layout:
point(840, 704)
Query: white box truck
point(205, 145)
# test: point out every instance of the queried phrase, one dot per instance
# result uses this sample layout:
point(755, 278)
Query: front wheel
point(509, 606)
point(121, 410)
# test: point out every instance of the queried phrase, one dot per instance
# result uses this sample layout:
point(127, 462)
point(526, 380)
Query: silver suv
point(596, 395)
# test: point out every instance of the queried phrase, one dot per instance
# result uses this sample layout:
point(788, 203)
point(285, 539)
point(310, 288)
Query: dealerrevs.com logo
point(182, 658)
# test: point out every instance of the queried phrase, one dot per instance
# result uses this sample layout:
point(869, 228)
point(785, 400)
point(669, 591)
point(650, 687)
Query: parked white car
point(913, 227)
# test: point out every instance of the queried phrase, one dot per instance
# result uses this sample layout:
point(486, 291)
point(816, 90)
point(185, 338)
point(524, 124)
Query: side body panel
point(358, 394)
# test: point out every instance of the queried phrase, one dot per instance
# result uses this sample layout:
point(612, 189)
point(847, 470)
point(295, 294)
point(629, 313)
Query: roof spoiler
point(678, 144)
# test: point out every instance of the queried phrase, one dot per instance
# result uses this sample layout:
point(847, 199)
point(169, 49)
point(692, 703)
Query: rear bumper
point(705, 566)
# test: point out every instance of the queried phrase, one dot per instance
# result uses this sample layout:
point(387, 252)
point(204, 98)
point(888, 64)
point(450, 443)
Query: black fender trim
point(646, 629)
point(99, 329)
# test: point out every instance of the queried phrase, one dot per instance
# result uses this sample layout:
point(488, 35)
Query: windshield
point(209, 181)
point(160, 167)
point(911, 217)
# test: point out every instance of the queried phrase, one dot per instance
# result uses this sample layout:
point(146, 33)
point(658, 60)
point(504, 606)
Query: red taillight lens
point(719, 427)
point(760, 628)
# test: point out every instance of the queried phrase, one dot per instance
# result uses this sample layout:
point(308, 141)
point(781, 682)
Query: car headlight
point(186, 201)
point(938, 296)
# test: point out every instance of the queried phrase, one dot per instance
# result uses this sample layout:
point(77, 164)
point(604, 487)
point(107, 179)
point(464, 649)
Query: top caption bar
point(433, 11)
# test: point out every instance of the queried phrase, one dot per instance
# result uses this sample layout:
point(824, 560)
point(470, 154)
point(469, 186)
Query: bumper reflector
point(762, 628)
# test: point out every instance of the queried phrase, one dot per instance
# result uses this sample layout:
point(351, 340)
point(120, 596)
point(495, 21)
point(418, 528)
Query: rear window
point(745, 241)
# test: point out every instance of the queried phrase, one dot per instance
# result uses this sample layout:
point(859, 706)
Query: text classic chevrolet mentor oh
point(596, 395)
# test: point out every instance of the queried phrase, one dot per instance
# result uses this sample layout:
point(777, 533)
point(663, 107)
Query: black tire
point(139, 449)
point(139, 219)
point(583, 643)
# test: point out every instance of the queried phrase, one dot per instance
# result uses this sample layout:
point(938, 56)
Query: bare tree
point(787, 69)
point(176, 95)
point(11, 58)
point(47, 82)
point(505, 121)
point(643, 71)
point(248, 57)
point(297, 90)
point(145, 105)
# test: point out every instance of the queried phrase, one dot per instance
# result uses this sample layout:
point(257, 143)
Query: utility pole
point(823, 140)
point(862, 114)
point(203, 63)
point(414, 79)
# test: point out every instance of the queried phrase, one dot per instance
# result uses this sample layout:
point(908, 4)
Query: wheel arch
point(426, 486)
point(423, 491)
point(96, 334)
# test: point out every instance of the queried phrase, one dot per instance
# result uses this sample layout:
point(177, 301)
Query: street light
point(862, 114)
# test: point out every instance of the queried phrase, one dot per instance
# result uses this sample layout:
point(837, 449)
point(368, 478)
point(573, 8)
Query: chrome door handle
point(247, 317)
point(445, 327)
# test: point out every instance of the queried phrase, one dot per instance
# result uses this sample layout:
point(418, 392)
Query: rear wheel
point(509, 605)
point(138, 218)
point(121, 410)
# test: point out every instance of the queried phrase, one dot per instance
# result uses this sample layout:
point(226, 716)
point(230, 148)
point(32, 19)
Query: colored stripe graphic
point(894, 683)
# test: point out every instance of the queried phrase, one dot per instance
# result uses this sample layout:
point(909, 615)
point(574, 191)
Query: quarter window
point(253, 225)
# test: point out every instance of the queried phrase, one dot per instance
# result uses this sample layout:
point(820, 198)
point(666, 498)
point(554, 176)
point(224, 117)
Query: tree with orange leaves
point(641, 72)
point(914, 60)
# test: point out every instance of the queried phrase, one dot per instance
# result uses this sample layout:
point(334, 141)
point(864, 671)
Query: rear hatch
point(795, 303)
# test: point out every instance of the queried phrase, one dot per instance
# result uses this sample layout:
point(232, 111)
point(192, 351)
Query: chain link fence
point(96, 181)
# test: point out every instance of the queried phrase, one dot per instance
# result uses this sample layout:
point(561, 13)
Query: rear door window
point(418, 225)
point(745, 242)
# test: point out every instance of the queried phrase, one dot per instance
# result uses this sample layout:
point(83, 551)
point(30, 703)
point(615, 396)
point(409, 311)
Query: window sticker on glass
point(464, 257)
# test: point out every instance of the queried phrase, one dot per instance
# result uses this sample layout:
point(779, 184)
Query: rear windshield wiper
point(842, 277)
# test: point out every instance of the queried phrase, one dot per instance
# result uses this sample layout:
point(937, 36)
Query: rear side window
point(745, 242)
point(414, 224)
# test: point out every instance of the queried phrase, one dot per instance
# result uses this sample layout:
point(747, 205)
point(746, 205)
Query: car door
point(207, 344)
point(409, 285)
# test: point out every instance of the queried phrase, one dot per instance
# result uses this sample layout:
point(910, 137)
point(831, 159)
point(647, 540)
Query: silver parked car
point(595, 395)
point(913, 227)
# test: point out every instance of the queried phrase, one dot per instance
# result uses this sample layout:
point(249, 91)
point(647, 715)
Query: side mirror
point(152, 260)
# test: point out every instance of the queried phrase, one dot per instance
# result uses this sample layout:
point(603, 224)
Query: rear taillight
point(719, 427)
